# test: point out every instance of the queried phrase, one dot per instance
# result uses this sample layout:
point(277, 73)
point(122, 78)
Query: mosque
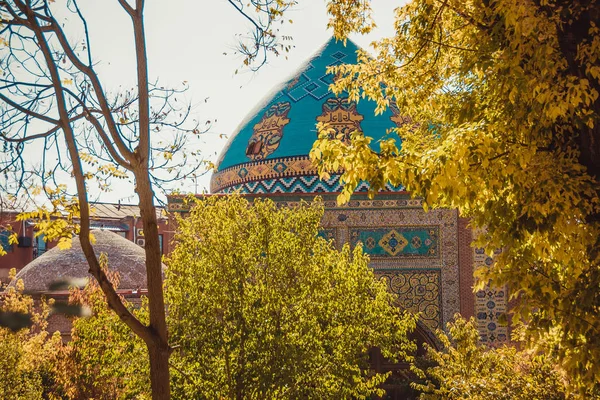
point(424, 257)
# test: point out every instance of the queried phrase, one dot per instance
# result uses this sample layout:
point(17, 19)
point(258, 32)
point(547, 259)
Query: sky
point(194, 41)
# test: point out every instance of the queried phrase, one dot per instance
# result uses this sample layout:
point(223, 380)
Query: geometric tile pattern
point(284, 175)
point(392, 242)
point(328, 234)
point(417, 270)
point(399, 241)
point(490, 304)
point(312, 82)
point(418, 291)
point(295, 184)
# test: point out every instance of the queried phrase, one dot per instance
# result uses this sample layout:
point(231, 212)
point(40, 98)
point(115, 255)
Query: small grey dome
point(123, 256)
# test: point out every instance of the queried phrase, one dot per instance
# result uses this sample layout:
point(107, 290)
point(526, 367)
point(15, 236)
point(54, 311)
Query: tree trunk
point(159, 349)
point(159, 372)
point(155, 335)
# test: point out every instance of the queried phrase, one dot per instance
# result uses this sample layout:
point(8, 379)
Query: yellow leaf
point(64, 243)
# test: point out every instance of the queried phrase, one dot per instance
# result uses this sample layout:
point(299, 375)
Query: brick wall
point(16, 257)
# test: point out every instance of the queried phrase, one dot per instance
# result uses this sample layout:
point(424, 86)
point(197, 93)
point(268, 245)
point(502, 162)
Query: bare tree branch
point(264, 39)
point(51, 93)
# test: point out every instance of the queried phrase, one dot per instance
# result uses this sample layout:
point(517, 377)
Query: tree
point(498, 115)
point(464, 368)
point(51, 94)
point(28, 354)
point(103, 359)
point(260, 306)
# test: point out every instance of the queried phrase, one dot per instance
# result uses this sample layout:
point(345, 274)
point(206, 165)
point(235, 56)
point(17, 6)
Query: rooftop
point(119, 211)
point(124, 256)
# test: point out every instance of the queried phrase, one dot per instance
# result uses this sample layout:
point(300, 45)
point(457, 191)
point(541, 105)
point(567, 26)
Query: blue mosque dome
point(268, 152)
point(425, 257)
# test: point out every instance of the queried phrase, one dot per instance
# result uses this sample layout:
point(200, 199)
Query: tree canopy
point(500, 105)
point(466, 369)
point(260, 306)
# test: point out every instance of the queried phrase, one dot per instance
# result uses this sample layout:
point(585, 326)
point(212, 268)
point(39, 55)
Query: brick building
point(17, 256)
point(122, 219)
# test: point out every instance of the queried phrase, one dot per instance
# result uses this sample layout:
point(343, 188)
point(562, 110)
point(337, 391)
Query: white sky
point(187, 40)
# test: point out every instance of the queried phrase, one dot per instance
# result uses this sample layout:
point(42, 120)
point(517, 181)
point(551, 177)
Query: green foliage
point(28, 355)
point(262, 307)
point(104, 359)
point(465, 369)
point(501, 105)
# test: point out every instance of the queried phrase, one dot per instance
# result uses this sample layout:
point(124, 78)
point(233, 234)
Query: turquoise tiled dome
point(268, 153)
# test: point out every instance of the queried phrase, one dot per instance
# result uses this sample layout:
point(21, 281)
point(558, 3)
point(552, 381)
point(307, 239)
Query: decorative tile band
point(282, 175)
point(296, 184)
point(262, 170)
point(490, 304)
point(359, 201)
point(399, 241)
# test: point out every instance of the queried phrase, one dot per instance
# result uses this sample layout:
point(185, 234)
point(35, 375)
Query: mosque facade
point(426, 258)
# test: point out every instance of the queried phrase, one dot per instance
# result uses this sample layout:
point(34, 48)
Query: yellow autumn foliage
point(29, 355)
point(502, 105)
